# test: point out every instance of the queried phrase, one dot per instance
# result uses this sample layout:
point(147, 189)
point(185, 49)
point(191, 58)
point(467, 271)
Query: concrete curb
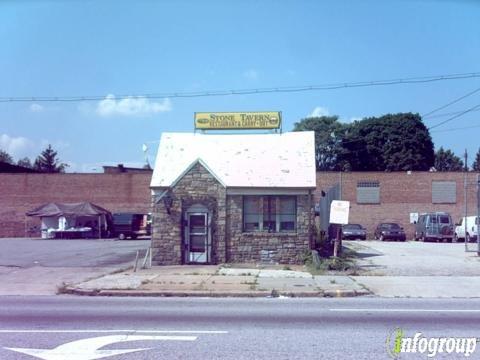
point(216, 294)
point(68, 289)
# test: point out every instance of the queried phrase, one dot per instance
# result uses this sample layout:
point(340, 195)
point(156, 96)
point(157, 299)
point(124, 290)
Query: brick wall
point(20, 193)
point(400, 194)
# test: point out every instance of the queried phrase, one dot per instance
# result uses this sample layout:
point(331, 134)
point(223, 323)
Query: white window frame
point(261, 199)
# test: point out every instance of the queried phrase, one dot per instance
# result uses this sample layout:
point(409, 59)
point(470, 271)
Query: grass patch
point(344, 264)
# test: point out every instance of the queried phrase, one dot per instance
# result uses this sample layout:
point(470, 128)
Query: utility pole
point(477, 220)
point(465, 199)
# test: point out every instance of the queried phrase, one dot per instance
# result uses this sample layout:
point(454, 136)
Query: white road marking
point(407, 310)
point(113, 331)
point(87, 349)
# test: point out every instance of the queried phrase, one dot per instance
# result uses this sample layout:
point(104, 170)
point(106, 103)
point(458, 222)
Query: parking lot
point(413, 258)
point(40, 266)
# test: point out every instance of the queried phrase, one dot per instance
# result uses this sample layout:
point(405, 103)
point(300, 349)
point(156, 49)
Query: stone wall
point(197, 186)
point(284, 248)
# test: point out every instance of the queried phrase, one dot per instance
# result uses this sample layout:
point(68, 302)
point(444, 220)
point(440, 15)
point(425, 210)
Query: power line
point(455, 129)
point(452, 102)
point(288, 89)
point(454, 117)
point(447, 114)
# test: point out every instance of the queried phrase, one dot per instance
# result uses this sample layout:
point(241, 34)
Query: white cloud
point(17, 147)
point(20, 147)
point(36, 108)
point(319, 111)
point(131, 106)
point(250, 74)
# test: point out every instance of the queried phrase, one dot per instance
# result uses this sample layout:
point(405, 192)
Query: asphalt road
point(40, 267)
point(414, 258)
point(25, 253)
point(71, 328)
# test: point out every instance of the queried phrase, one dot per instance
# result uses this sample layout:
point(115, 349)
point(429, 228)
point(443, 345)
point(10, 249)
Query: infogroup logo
point(397, 343)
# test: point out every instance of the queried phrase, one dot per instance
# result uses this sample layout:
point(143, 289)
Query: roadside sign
point(339, 211)
point(413, 218)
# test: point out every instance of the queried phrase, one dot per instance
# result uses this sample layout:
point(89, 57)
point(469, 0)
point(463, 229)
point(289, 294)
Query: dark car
point(353, 232)
point(389, 231)
point(131, 225)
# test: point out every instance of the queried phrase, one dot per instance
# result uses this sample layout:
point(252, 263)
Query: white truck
point(470, 224)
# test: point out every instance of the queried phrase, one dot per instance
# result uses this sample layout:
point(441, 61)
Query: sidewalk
point(217, 281)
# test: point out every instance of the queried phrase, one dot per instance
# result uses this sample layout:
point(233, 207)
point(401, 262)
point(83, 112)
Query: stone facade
point(229, 242)
point(197, 186)
point(284, 248)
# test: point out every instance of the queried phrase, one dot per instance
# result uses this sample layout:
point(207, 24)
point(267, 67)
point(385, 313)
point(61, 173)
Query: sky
point(118, 51)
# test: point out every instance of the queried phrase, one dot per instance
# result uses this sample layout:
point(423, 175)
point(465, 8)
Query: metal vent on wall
point(444, 192)
point(368, 192)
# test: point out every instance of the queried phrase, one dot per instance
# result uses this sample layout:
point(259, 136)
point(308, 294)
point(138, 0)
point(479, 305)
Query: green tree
point(48, 162)
point(327, 141)
point(393, 142)
point(446, 160)
point(25, 162)
point(5, 157)
point(476, 163)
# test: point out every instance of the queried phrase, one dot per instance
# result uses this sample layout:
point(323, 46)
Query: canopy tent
point(82, 219)
point(71, 209)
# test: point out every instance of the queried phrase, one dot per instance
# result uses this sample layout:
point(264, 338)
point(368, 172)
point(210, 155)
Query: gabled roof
point(254, 160)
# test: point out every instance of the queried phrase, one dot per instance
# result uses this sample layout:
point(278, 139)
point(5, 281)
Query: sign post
point(477, 220)
point(339, 212)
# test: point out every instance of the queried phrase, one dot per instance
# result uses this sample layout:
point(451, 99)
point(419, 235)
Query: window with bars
point(269, 213)
point(444, 192)
point(368, 192)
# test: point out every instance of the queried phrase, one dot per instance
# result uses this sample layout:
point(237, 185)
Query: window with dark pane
point(251, 213)
point(288, 213)
point(269, 213)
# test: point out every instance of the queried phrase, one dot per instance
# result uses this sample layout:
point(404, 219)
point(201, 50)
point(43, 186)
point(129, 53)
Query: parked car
point(353, 232)
point(436, 226)
point(389, 231)
point(471, 223)
point(131, 225)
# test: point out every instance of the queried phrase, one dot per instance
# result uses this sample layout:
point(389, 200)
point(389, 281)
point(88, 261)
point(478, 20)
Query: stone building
point(233, 198)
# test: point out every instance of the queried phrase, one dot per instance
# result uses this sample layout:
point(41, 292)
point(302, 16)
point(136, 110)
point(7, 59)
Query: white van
point(471, 223)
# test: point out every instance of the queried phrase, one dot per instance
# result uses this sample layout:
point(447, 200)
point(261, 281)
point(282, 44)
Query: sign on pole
point(413, 218)
point(339, 211)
